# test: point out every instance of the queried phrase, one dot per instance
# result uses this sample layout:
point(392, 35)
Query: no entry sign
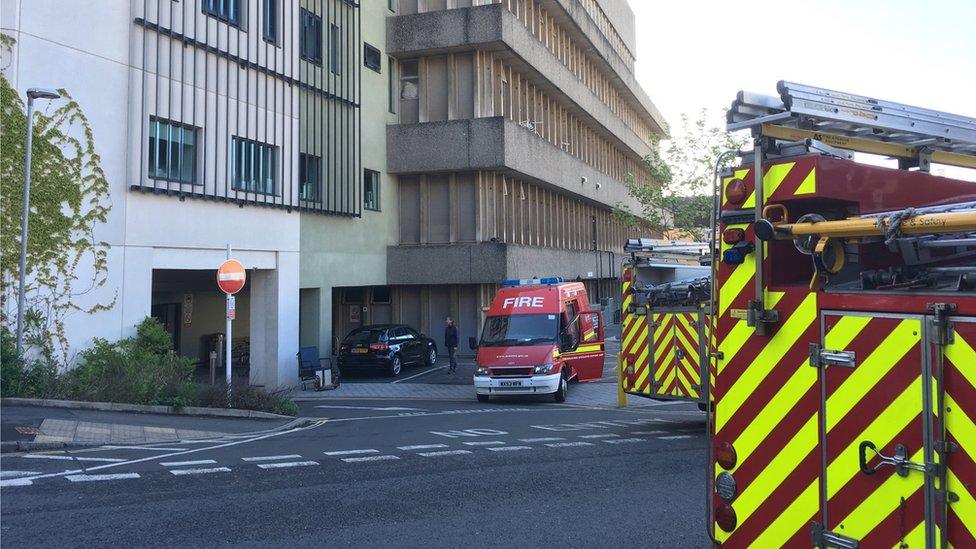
point(231, 276)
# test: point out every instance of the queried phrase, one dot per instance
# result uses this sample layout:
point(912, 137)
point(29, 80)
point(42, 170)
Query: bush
point(22, 378)
point(248, 398)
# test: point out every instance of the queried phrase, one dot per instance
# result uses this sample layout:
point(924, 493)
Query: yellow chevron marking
point(733, 343)
point(781, 529)
point(689, 349)
point(799, 383)
point(663, 325)
point(965, 508)
point(632, 330)
point(646, 371)
point(641, 377)
point(882, 501)
point(867, 374)
point(771, 354)
point(772, 179)
point(736, 281)
point(739, 174)
point(962, 353)
point(809, 185)
point(772, 298)
point(963, 429)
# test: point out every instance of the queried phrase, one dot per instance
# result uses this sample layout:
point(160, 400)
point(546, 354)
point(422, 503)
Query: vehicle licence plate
point(360, 351)
point(509, 383)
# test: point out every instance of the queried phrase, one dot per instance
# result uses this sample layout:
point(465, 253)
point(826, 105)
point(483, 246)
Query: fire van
point(845, 386)
point(539, 335)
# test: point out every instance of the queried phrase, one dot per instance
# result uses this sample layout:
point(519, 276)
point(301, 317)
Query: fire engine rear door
point(956, 508)
point(876, 401)
point(662, 351)
point(688, 341)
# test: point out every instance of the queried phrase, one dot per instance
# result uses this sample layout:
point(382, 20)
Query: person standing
point(451, 342)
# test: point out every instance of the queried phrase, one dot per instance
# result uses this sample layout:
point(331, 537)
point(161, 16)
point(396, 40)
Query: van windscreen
point(519, 330)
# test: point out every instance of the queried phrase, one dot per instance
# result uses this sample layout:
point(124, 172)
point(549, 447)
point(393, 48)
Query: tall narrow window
point(225, 10)
point(393, 5)
point(270, 27)
point(371, 190)
point(310, 40)
point(409, 92)
point(335, 51)
point(310, 178)
point(172, 151)
point(391, 81)
point(253, 166)
point(372, 57)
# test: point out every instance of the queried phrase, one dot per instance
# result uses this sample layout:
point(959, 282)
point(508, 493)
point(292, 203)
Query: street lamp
point(32, 94)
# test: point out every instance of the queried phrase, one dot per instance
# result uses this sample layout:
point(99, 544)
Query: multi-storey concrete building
point(367, 162)
point(518, 123)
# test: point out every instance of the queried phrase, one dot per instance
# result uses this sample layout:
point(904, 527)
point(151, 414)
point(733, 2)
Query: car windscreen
point(519, 330)
point(366, 336)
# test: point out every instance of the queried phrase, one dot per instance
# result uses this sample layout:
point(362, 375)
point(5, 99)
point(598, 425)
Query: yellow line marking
point(781, 529)
point(772, 179)
point(735, 283)
point(965, 508)
point(961, 353)
point(733, 343)
point(809, 185)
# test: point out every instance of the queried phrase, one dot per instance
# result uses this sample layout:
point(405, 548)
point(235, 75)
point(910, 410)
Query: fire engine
point(666, 330)
point(844, 395)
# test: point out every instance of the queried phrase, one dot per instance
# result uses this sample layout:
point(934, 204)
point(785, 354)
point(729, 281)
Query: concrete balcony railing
point(490, 262)
point(497, 144)
point(493, 27)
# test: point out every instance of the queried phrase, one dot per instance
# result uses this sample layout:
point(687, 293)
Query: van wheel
point(483, 398)
point(560, 394)
point(395, 366)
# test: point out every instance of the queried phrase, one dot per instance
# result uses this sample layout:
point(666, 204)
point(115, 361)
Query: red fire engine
point(845, 391)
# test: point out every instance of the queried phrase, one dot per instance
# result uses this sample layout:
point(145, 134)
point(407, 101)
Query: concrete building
point(221, 122)
point(518, 123)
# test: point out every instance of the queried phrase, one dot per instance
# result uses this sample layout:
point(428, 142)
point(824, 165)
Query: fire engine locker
point(678, 348)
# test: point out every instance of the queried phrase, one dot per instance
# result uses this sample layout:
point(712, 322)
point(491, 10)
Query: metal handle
point(899, 461)
point(862, 457)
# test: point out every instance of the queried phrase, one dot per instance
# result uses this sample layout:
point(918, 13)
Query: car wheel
point(395, 366)
point(483, 398)
point(431, 357)
point(560, 394)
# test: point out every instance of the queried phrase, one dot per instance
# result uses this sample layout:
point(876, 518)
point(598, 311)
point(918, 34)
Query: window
point(393, 5)
point(172, 151)
point(371, 57)
point(309, 177)
point(311, 37)
point(409, 91)
point(335, 59)
point(253, 166)
point(371, 190)
point(391, 85)
point(270, 27)
point(225, 10)
point(381, 294)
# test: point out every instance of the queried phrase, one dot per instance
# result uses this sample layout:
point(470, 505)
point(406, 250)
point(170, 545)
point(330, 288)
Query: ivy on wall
point(69, 197)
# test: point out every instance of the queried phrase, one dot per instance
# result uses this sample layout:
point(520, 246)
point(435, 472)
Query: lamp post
point(32, 94)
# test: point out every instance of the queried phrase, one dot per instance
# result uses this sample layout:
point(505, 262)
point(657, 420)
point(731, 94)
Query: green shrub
point(22, 378)
point(248, 397)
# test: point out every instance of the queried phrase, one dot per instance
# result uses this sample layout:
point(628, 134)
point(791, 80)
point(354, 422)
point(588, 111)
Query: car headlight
point(481, 372)
point(544, 369)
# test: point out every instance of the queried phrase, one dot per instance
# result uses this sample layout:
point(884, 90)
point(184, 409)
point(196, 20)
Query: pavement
point(370, 472)
point(43, 425)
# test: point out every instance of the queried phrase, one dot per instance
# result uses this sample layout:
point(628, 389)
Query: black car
point(389, 347)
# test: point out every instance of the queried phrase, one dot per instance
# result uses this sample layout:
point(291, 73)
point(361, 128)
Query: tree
point(69, 197)
point(678, 200)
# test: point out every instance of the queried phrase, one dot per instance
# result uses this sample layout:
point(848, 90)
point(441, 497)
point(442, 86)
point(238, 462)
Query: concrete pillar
point(274, 323)
point(135, 295)
point(324, 305)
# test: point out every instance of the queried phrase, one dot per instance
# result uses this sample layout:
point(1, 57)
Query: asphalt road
point(408, 473)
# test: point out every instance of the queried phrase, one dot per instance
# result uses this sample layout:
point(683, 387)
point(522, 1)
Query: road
point(406, 473)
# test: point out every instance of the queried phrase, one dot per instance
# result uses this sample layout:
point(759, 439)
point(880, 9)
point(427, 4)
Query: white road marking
point(93, 478)
point(351, 452)
point(674, 437)
point(287, 464)
point(15, 482)
point(568, 444)
point(157, 448)
point(602, 435)
point(508, 448)
point(420, 374)
point(200, 471)
point(378, 409)
point(422, 447)
point(484, 443)
point(184, 463)
point(445, 453)
point(71, 458)
point(542, 439)
point(647, 432)
point(369, 458)
point(623, 440)
point(8, 474)
point(271, 458)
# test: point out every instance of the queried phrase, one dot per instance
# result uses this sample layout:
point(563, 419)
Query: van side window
point(573, 328)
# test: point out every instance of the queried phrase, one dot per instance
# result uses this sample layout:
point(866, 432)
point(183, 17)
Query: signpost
point(231, 277)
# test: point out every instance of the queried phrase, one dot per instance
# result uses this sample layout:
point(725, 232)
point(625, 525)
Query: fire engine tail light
point(725, 455)
point(627, 275)
point(733, 236)
point(736, 192)
point(725, 517)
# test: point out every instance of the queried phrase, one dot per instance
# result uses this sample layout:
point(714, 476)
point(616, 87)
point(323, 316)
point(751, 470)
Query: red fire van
point(539, 335)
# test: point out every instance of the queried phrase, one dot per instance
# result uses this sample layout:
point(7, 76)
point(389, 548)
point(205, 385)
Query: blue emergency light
point(531, 281)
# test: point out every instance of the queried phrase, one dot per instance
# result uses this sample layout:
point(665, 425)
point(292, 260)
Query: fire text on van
point(534, 302)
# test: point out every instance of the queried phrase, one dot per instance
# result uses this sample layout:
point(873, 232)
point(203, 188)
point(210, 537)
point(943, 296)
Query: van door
point(956, 435)
point(875, 431)
point(587, 356)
